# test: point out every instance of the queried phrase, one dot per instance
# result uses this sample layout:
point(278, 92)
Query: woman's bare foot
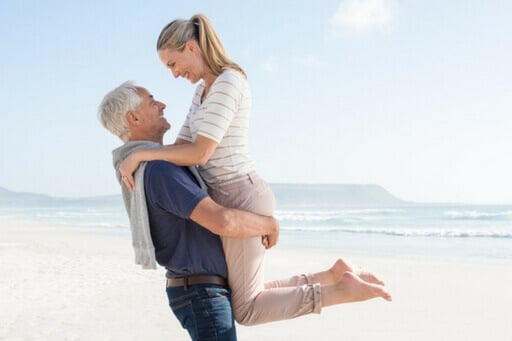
point(335, 272)
point(341, 266)
point(351, 288)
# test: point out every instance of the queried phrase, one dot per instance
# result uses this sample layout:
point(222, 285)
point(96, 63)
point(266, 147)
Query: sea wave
point(349, 211)
point(400, 232)
point(77, 214)
point(348, 215)
point(478, 215)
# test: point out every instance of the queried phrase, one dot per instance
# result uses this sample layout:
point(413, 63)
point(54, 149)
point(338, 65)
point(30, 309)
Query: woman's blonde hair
point(175, 35)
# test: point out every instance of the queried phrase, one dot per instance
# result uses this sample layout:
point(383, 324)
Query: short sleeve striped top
point(223, 116)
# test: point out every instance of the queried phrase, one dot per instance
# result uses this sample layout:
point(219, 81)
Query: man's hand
point(270, 239)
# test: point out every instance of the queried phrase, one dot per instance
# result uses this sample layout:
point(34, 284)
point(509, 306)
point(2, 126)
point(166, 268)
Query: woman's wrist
point(140, 156)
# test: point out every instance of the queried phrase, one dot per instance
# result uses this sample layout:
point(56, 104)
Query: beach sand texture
point(81, 284)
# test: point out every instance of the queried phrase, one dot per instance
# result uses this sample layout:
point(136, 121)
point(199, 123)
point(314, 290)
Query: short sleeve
point(221, 104)
point(185, 133)
point(172, 188)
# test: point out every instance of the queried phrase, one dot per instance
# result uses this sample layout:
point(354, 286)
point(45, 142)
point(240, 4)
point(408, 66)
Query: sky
point(415, 96)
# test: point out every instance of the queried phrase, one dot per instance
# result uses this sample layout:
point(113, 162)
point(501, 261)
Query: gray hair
point(114, 107)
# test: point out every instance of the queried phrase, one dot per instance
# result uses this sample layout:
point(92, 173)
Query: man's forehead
point(143, 92)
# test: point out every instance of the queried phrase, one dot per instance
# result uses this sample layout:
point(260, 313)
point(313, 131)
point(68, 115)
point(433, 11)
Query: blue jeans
point(204, 310)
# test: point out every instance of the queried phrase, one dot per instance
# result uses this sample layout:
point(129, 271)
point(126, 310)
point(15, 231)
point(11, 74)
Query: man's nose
point(175, 73)
point(162, 105)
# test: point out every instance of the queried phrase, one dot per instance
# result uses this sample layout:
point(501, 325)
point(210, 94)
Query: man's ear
point(132, 118)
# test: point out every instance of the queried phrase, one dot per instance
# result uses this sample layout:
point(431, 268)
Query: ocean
point(475, 233)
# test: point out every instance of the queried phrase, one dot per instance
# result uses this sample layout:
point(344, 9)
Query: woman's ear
point(191, 45)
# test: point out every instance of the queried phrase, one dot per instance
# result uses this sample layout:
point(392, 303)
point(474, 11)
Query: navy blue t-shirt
point(181, 246)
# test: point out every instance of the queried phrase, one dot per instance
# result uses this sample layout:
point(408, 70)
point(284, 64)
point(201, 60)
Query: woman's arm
point(181, 141)
point(188, 154)
point(184, 154)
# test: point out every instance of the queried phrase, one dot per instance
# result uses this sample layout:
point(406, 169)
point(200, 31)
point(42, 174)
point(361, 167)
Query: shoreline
point(81, 284)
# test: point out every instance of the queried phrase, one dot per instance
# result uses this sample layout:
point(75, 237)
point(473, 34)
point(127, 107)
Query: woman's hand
point(127, 167)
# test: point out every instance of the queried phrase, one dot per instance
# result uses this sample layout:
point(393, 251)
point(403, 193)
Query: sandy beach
point(81, 284)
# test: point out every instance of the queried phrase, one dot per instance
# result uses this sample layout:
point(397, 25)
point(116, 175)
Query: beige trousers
point(253, 300)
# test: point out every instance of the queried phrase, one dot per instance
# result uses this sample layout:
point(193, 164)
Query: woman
point(215, 137)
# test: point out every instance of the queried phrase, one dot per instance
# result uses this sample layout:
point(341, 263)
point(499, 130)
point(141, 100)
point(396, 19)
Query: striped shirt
point(223, 117)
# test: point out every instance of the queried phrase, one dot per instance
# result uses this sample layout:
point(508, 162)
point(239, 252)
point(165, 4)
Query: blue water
point(461, 232)
point(437, 232)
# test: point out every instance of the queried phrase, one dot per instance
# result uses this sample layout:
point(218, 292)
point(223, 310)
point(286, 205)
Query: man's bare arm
point(230, 222)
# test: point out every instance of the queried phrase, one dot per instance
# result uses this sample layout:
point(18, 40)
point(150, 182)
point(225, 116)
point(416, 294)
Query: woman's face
point(187, 63)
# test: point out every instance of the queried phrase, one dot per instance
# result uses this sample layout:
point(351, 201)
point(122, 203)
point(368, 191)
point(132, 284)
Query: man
point(176, 207)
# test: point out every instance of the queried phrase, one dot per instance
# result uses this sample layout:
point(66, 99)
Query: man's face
point(150, 115)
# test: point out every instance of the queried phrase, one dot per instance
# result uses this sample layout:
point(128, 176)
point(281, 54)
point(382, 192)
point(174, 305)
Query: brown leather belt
point(191, 280)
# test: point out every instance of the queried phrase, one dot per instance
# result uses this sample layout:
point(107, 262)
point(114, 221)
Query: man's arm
point(230, 222)
point(174, 191)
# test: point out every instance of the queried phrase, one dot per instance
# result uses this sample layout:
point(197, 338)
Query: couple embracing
point(198, 207)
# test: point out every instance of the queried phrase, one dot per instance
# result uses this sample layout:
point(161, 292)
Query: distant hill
point(335, 194)
point(286, 194)
point(7, 196)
